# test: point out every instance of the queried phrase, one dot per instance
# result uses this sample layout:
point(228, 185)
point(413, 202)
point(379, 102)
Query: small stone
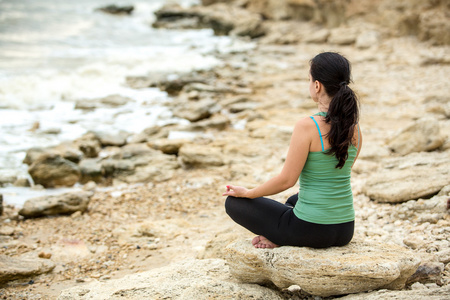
point(45, 255)
point(418, 286)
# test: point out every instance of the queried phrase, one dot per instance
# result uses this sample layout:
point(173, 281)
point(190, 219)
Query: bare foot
point(261, 242)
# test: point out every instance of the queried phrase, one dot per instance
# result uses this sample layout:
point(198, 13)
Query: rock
point(191, 279)
point(91, 170)
point(428, 294)
point(167, 146)
point(367, 39)
point(1, 204)
point(192, 155)
point(89, 144)
point(108, 139)
point(22, 182)
point(7, 178)
point(423, 210)
point(195, 111)
point(216, 122)
point(343, 36)
point(33, 154)
point(318, 36)
point(170, 84)
point(139, 163)
point(51, 170)
point(434, 27)
point(108, 101)
point(66, 203)
point(67, 151)
point(422, 135)
point(13, 268)
point(409, 177)
point(223, 19)
point(117, 10)
point(428, 272)
point(358, 267)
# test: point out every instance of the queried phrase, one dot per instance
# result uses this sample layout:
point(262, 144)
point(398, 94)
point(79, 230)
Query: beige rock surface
point(12, 268)
point(357, 267)
point(192, 279)
point(66, 203)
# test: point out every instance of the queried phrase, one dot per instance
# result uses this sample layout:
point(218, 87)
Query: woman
point(321, 154)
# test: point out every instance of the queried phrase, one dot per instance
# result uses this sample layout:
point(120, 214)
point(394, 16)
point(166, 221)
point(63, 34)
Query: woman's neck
point(322, 107)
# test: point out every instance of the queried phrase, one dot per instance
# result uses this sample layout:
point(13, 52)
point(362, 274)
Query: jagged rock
point(423, 210)
point(409, 177)
point(139, 163)
point(89, 144)
point(66, 203)
point(343, 36)
point(7, 178)
point(165, 82)
point(51, 170)
point(108, 139)
point(217, 121)
point(108, 101)
point(429, 272)
point(1, 204)
point(223, 19)
point(13, 268)
point(195, 111)
point(167, 146)
point(67, 151)
point(192, 155)
point(117, 10)
point(367, 39)
point(318, 36)
point(422, 135)
point(191, 279)
point(358, 267)
point(91, 170)
point(33, 154)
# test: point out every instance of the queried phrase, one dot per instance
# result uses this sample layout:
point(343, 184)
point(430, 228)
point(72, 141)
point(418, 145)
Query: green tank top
point(325, 195)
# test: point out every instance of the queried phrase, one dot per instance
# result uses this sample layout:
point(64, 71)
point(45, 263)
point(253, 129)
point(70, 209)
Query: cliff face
point(426, 19)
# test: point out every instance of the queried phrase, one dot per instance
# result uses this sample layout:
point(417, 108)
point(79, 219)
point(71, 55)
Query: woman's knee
point(229, 204)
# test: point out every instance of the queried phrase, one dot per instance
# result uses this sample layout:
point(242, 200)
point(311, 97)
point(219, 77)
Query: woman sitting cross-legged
point(322, 151)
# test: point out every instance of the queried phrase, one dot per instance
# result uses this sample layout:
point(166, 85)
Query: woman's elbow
point(288, 183)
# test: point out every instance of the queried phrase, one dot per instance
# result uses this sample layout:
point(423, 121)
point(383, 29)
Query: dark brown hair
point(334, 72)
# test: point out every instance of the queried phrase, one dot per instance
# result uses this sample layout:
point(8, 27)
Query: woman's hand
point(236, 191)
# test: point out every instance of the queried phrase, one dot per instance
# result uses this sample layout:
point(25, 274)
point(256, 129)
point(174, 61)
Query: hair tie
point(343, 83)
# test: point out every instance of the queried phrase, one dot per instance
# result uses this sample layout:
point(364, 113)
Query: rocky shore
point(149, 220)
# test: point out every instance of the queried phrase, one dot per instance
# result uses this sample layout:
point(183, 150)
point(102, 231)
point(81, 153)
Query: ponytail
point(333, 71)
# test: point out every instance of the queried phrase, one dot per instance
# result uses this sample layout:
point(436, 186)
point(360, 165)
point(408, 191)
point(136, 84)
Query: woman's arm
point(359, 143)
point(293, 166)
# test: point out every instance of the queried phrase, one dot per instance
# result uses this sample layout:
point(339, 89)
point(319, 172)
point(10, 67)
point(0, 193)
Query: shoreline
point(184, 215)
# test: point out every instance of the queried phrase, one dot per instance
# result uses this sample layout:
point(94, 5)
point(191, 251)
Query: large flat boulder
point(422, 135)
point(191, 279)
point(13, 268)
point(417, 175)
point(66, 203)
point(358, 267)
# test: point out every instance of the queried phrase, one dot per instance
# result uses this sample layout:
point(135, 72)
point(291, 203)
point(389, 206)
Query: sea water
point(55, 52)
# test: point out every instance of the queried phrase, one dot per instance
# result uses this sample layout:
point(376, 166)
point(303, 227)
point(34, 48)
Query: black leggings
point(278, 223)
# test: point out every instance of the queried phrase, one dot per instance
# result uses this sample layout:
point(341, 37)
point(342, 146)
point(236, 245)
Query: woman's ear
point(317, 86)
